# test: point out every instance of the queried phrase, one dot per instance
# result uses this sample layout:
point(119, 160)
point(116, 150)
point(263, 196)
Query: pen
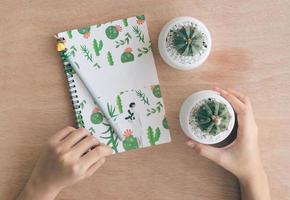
point(99, 103)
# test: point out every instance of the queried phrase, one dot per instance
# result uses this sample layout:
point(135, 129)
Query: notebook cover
point(117, 58)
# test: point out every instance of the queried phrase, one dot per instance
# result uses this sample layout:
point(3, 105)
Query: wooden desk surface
point(251, 48)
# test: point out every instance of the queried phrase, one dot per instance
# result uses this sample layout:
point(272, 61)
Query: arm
point(242, 157)
point(70, 155)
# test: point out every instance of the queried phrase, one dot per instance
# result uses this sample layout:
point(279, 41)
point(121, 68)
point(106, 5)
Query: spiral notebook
point(117, 58)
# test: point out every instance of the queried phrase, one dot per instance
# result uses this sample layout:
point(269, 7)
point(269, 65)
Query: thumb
point(212, 153)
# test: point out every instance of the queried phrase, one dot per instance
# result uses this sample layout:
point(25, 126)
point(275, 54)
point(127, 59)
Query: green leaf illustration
point(97, 46)
point(125, 22)
point(125, 41)
point(138, 33)
point(69, 34)
point(110, 58)
point(156, 109)
point(83, 103)
point(92, 130)
point(142, 97)
point(96, 65)
point(153, 137)
point(79, 120)
point(119, 104)
point(88, 55)
point(144, 50)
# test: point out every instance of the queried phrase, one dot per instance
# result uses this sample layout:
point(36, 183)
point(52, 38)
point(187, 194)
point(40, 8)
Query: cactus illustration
point(130, 142)
point(110, 58)
point(85, 32)
point(156, 90)
point(97, 46)
point(188, 41)
point(119, 104)
point(96, 116)
point(153, 137)
point(140, 19)
point(165, 123)
point(211, 117)
point(125, 22)
point(69, 34)
point(127, 56)
point(112, 32)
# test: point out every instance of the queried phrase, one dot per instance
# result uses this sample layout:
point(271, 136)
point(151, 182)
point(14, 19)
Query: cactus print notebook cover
point(117, 58)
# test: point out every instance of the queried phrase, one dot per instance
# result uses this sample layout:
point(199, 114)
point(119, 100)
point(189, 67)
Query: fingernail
point(190, 143)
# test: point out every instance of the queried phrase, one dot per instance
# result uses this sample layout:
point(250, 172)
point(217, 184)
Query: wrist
point(35, 189)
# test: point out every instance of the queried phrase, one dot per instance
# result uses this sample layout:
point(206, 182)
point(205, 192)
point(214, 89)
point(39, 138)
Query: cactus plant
point(96, 116)
point(156, 91)
point(112, 32)
point(212, 117)
point(188, 41)
point(153, 137)
point(97, 46)
point(140, 19)
point(85, 31)
point(127, 56)
point(130, 142)
point(165, 123)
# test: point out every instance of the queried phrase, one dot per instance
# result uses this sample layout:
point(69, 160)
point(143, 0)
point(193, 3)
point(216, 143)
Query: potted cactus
point(184, 43)
point(207, 117)
point(130, 142)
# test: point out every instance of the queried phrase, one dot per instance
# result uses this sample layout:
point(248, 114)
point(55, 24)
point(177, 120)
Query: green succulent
point(188, 41)
point(212, 117)
point(97, 118)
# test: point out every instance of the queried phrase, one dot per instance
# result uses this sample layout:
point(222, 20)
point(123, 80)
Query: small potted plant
point(207, 117)
point(184, 43)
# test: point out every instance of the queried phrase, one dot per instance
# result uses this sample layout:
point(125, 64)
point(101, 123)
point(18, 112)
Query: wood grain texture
point(251, 46)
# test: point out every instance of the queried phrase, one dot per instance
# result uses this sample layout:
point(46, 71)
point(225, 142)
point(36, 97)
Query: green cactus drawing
point(165, 123)
point(97, 46)
point(127, 56)
point(85, 32)
point(119, 104)
point(96, 116)
point(130, 142)
point(88, 55)
point(140, 19)
point(156, 91)
point(138, 33)
point(112, 32)
point(125, 22)
point(110, 58)
point(153, 137)
point(69, 34)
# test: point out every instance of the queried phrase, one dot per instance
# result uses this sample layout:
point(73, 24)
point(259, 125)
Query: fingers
point(96, 154)
point(85, 145)
point(237, 104)
point(62, 134)
point(240, 96)
point(74, 137)
point(212, 153)
point(95, 166)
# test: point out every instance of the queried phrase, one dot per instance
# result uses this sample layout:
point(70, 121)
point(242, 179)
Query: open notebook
point(117, 58)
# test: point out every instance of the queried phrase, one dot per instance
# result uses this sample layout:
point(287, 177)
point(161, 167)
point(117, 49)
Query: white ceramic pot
point(170, 56)
point(198, 135)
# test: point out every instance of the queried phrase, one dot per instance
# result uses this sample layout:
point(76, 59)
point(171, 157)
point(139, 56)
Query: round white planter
point(198, 135)
point(170, 56)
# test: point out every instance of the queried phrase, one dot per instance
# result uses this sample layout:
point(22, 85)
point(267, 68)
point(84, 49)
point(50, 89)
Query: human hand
point(69, 156)
point(242, 157)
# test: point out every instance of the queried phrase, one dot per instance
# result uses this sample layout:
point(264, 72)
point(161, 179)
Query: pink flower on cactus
point(96, 109)
point(128, 49)
point(140, 21)
point(87, 35)
point(119, 28)
point(127, 133)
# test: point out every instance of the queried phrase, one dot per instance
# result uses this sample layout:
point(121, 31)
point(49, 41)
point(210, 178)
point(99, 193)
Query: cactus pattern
point(156, 91)
point(85, 31)
point(153, 137)
point(165, 123)
point(97, 46)
point(127, 56)
point(130, 142)
point(212, 117)
point(96, 116)
point(119, 104)
point(112, 32)
point(110, 58)
point(140, 19)
point(188, 41)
